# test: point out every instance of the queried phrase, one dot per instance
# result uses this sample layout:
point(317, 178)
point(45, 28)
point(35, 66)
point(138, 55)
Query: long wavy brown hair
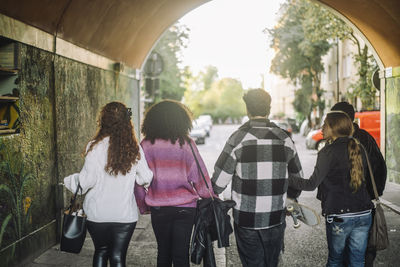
point(341, 125)
point(115, 122)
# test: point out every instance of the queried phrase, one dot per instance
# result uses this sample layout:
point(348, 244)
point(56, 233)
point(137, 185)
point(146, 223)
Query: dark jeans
point(111, 242)
point(172, 227)
point(260, 248)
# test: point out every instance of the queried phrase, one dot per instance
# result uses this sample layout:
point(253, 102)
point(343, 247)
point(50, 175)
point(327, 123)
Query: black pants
point(260, 248)
point(172, 227)
point(111, 242)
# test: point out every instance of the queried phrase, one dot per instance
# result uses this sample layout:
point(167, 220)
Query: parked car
point(244, 119)
point(206, 122)
point(198, 133)
point(294, 125)
point(314, 139)
point(367, 120)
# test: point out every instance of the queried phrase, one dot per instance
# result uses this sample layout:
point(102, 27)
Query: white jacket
point(110, 198)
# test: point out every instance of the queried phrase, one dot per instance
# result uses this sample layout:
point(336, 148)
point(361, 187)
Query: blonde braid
point(356, 166)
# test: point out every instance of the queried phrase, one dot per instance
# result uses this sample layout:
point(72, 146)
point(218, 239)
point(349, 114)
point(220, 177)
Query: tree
point(222, 100)
point(229, 102)
point(299, 57)
point(323, 25)
point(305, 32)
point(302, 101)
point(208, 76)
point(170, 47)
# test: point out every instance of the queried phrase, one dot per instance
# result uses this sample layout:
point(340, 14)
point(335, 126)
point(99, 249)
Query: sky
point(228, 34)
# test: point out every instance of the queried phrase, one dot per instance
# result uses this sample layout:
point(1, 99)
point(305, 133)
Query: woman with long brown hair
point(114, 161)
point(346, 204)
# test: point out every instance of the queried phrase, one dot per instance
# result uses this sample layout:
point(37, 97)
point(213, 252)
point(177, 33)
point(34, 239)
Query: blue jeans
point(348, 234)
point(260, 248)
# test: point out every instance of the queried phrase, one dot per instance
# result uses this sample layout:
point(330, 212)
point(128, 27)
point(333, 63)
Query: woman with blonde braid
point(346, 204)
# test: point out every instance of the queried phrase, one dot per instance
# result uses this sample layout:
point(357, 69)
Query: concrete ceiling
point(126, 30)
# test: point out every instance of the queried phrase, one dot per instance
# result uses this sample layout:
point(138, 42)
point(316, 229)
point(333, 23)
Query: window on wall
point(9, 91)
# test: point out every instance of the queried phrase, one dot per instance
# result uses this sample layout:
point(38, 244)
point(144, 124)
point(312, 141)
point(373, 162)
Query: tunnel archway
point(125, 31)
point(136, 25)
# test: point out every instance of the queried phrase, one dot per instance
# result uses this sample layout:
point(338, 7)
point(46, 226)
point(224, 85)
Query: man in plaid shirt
point(258, 158)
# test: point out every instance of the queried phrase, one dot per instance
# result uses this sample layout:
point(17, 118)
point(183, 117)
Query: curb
point(390, 205)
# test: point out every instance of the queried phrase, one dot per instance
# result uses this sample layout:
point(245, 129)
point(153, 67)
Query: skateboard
point(300, 212)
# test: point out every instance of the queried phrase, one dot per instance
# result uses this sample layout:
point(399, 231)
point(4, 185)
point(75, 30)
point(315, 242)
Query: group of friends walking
point(159, 176)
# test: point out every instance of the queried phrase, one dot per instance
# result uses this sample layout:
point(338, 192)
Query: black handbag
point(73, 232)
point(378, 235)
point(212, 223)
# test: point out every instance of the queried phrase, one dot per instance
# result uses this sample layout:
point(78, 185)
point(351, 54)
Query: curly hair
point(167, 120)
point(123, 151)
point(342, 126)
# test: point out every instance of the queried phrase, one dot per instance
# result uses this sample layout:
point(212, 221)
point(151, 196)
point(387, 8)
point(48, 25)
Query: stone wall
point(59, 105)
point(393, 126)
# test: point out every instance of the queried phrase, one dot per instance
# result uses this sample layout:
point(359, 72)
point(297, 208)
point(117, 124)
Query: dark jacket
point(332, 176)
point(375, 157)
point(212, 223)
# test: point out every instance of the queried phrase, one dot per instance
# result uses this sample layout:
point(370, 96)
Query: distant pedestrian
point(114, 161)
point(258, 159)
point(377, 163)
point(339, 175)
point(177, 184)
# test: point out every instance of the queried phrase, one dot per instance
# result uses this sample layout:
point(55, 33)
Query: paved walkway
point(143, 247)
point(391, 196)
point(142, 251)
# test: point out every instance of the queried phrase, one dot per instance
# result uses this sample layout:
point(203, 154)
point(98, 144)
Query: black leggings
point(111, 242)
point(172, 227)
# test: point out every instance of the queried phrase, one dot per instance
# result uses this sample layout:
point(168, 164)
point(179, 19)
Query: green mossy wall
point(393, 126)
point(80, 92)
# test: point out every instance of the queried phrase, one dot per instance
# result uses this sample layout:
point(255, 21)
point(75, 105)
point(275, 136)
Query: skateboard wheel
point(296, 225)
point(290, 208)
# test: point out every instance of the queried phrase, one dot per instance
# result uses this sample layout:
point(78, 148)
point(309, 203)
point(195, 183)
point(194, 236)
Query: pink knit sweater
point(177, 180)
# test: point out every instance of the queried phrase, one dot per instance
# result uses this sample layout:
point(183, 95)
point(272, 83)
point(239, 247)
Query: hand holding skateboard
point(300, 212)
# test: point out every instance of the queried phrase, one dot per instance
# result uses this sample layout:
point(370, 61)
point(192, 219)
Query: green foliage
point(222, 100)
point(305, 32)
point(208, 76)
point(170, 47)
point(363, 87)
point(4, 226)
point(298, 50)
point(302, 102)
point(13, 171)
point(323, 25)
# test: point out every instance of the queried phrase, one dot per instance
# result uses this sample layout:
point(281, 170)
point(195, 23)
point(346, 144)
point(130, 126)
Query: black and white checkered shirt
point(258, 158)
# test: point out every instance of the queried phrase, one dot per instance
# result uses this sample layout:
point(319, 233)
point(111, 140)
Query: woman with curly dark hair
point(114, 161)
point(177, 183)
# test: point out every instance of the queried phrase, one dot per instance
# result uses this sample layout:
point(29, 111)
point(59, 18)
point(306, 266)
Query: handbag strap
point(73, 200)
point(371, 174)
point(201, 171)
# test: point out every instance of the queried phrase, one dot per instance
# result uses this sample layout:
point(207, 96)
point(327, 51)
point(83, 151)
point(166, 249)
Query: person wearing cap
point(339, 175)
point(377, 163)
